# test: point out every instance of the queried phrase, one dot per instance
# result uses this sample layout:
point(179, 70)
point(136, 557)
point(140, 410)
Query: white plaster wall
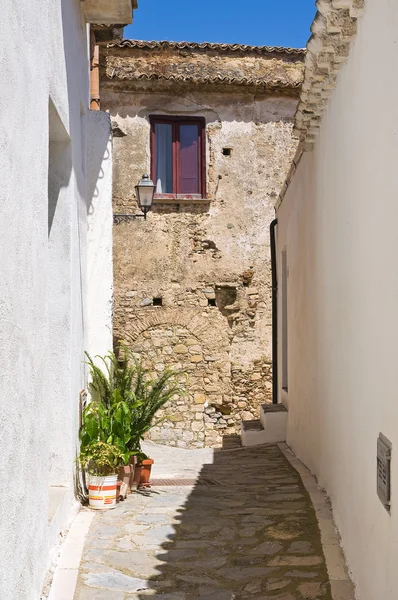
point(43, 55)
point(100, 224)
point(338, 223)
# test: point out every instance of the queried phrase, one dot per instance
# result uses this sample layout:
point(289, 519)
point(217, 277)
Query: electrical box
point(384, 449)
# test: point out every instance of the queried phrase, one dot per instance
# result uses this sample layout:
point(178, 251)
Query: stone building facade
point(193, 281)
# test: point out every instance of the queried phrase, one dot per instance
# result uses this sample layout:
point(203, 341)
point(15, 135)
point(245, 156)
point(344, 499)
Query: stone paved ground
point(246, 530)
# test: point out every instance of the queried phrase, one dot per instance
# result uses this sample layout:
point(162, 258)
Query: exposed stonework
point(333, 29)
point(193, 281)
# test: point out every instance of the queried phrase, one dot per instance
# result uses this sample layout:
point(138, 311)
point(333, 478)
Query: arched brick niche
point(199, 345)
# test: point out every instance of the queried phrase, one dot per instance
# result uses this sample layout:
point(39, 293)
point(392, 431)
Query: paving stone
point(153, 595)
point(95, 594)
point(267, 548)
point(179, 553)
point(197, 579)
point(300, 548)
point(152, 518)
point(108, 532)
point(287, 596)
point(254, 587)
point(274, 584)
point(295, 561)
point(312, 591)
point(302, 574)
point(223, 595)
point(246, 531)
point(136, 563)
point(248, 573)
point(115, 581)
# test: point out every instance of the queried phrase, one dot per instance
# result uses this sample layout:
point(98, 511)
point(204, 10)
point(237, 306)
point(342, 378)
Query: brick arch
point(191, 320)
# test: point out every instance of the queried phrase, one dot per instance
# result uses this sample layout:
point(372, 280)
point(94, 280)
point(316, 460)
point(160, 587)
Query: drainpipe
point(274, 314)
point(94, 74)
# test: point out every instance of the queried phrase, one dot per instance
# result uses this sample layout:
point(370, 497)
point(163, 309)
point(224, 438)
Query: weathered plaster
point(191, 254)
point(99, 236)
point(338, 223)
point(333, 30)
point(43, 99)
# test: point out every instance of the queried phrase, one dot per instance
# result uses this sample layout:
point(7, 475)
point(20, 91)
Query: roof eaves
point(216, 79)
point(333, 30)
point(160, 45)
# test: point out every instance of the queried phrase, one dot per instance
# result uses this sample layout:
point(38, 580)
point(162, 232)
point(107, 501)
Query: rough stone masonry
point(193, 281)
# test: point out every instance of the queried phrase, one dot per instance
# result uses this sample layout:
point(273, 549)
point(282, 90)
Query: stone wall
point(193, 281)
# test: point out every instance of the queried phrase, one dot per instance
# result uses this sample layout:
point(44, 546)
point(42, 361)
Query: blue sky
point(255, 22)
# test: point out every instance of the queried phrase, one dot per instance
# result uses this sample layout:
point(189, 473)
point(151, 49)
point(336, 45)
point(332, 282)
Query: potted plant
point(111, 396)
point(100, 460)
point(124, 403)
point(150, 395)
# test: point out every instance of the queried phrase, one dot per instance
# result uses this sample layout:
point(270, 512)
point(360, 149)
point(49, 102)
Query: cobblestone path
point(246, 530)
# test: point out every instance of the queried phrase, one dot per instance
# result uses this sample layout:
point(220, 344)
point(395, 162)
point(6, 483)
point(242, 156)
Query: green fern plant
point(125, 400)
point(106, 418)
point(151, 394)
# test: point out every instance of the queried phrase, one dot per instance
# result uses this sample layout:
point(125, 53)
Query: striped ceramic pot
point(102, 491)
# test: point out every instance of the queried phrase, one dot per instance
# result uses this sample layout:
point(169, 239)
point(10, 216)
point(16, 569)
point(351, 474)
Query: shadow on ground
point(246, 530)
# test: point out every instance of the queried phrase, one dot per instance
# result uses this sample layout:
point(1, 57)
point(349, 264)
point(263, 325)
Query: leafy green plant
point(110, 425)
point(151, 394)
point(115, 383)
point(100, 458)
point(106, 418)
point(124, 402)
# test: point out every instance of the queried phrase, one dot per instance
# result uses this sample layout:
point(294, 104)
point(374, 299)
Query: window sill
point(180, 199)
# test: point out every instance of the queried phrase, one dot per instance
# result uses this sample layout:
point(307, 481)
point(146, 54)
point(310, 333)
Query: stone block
point(146, 302)
point(196, 358)
point(199, 398)
point(247, 416)
point(195, 349)
point(256, 377)
point(180, 349)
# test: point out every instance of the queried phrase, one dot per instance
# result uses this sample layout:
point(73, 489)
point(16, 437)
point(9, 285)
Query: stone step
point(252, 433)
point(269, 429)
point(266, 410)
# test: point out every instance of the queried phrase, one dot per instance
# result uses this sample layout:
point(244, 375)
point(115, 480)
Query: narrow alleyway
point(246, 529)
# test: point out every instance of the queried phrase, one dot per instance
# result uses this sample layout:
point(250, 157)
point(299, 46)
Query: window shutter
point(189, 159)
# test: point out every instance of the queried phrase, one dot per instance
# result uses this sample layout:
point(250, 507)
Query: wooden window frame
point(175, 122)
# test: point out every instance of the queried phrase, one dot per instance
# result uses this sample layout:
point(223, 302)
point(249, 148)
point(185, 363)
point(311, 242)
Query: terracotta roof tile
point(204, 63)
point(158, 45)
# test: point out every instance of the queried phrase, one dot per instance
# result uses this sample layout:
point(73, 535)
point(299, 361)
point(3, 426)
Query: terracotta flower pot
point(118, 486)
point(136, 477)
point(124, 475)
point(146, 472)
point(133, 464)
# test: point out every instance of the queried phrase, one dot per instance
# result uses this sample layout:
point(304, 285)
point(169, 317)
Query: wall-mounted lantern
point(145, 191)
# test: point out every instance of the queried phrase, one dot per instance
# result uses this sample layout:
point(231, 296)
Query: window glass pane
point(164, 154)
point(189, 159)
